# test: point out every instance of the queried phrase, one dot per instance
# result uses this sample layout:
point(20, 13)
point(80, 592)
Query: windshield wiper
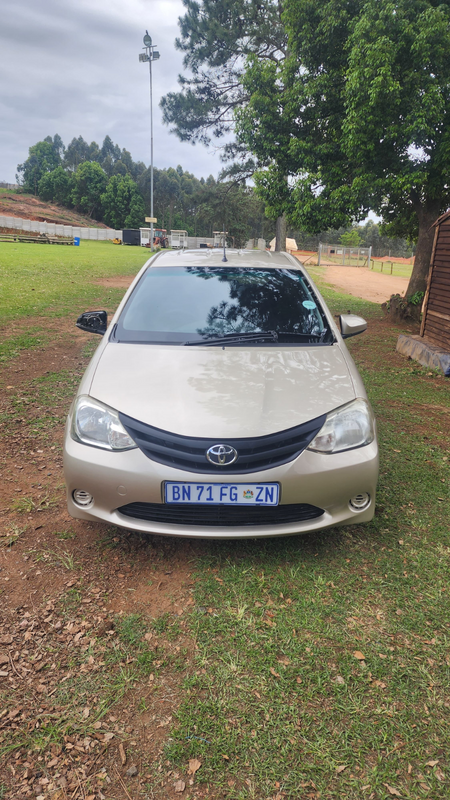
point(234, 338)
point(298, 334)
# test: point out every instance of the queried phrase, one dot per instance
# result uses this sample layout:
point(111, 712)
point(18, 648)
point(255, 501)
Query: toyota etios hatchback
point(222, 403)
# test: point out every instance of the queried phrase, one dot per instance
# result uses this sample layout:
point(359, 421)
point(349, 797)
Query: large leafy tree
point(364, 102)
point(43, 157)
point(89, 184)
point(123, 206)
point(216, 37)
point(79, 151)
point(57, 186)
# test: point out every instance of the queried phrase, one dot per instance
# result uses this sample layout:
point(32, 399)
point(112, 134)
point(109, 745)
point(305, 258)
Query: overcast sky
point(72, 67)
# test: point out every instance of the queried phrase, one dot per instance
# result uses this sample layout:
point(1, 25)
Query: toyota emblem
point(221, 455)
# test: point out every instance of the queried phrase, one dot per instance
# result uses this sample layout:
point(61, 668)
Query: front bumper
point(118, 479)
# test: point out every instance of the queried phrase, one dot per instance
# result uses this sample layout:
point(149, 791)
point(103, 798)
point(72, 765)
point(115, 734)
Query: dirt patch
point(66, 588)
point(364, 283)
point(27, 206)
point(119, 282)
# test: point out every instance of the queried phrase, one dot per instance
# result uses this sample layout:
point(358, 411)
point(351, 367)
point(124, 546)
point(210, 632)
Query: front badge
point(221, 455)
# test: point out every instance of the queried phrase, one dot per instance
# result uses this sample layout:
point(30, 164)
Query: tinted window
point(177, 304)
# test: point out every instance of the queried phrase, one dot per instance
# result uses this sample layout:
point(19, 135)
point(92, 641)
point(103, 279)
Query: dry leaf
point(283, 660)
point(432, 763)
point(392, 790)
point(274, 673)
point(194, 765)
point(227, 758)
point(179, 786)
point(357, 654)
point(341, 768)
point(123, 755)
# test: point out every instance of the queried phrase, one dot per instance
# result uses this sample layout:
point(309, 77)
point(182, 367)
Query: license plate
point(229, 494)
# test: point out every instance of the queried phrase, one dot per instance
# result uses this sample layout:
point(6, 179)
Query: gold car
point(221, 402)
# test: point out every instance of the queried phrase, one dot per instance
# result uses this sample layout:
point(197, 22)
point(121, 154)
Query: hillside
point(26, 206)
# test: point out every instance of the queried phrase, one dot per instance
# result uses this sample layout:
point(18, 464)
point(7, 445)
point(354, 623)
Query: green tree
point(123, 206)
point(89, 184)
point(57, 144)
point(216, 35)
point(58, 186)
point(77, 152)
point(364, 96)
point(43, 157)
point(216, 38)
point(350, 238)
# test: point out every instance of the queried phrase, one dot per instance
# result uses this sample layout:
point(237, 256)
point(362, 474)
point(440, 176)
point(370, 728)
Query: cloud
point(72, 68)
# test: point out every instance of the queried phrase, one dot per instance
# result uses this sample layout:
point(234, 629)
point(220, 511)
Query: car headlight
point(345, 428)
point(98, 425)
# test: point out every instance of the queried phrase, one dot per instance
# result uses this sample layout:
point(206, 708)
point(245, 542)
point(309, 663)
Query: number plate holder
point(230, 494)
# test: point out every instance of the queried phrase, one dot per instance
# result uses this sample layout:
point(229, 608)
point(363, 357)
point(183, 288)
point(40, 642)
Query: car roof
point(213, 257)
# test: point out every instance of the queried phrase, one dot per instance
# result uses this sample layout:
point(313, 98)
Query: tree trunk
point(280, 234)
point(427, 214)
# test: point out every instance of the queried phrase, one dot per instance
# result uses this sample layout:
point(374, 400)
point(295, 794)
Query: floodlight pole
point(150, 55)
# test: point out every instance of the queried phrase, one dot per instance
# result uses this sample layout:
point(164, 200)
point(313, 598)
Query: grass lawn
point(46, 282)
point(321, 666)
point(323, 661)
point(390, 267)
point(46, 279)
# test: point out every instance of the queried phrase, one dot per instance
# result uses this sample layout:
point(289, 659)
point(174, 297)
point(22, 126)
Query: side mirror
point(351, 325)
point(93, 322)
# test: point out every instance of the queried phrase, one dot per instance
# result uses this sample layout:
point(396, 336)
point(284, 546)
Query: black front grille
point(189, 453)
point(220, 515)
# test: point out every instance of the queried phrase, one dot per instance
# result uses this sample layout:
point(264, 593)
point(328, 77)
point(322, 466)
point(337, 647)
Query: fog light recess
point(82, 498)
point(360, 501)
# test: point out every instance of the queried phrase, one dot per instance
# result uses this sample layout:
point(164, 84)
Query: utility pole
point(150, 55)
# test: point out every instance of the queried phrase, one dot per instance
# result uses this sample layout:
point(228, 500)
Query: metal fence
point(345, 256)
point(53, 229)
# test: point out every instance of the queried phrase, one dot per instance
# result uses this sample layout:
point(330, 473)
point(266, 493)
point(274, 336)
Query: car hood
point(214, 392)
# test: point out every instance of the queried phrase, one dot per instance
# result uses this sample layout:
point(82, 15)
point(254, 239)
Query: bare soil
point(63, 586)
point(27, 206)
point(364, 283)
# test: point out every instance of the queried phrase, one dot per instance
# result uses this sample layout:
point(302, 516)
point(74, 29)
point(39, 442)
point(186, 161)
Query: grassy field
point(321, 664)
point(391, 267)
point(387, 266)
point(41, 283)
point(45, 280)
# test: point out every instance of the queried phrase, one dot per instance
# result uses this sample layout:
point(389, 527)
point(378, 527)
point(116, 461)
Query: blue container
point(76, 241)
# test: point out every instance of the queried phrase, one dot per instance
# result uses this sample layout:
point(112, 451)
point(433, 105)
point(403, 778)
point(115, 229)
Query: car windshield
point(192, 305)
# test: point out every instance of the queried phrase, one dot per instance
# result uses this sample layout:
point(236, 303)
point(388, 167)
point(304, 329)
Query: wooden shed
point(432, 347)
point(435, 326)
